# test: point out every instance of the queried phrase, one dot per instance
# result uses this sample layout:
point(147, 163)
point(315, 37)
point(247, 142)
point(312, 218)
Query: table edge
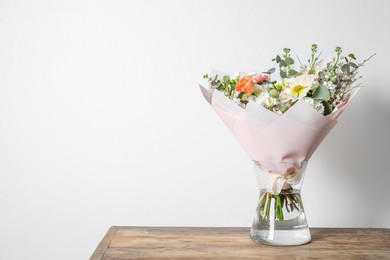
point(106, 240)
point(104, 243)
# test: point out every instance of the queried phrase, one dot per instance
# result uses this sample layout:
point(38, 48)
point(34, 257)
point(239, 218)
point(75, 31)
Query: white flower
point(299, 86)
point(316, 104)
point(273, 93)
point(330, 86)
point(266, 100)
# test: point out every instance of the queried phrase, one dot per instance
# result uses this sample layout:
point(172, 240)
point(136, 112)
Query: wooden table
point(234, 243)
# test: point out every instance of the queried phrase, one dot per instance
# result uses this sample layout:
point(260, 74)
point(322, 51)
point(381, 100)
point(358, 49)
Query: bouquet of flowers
point(280, 123)
point(323, 85)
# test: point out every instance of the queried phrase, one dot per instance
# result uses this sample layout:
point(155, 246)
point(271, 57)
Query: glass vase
point(280, 217)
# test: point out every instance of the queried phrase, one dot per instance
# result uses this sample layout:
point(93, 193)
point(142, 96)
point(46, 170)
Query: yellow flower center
point(298, 89)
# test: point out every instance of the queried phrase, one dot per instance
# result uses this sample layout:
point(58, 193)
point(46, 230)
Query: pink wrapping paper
point(275, 142)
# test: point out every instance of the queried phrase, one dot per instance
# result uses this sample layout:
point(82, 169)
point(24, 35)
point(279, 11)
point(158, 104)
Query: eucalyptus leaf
point(353, 65)
point(327, 108)
point(346, 69)
point(278, 59)
point(293, 72)
point(283, 74)
point(270, 71)
point(289, 61)
point(321, 93)
point(352, 56)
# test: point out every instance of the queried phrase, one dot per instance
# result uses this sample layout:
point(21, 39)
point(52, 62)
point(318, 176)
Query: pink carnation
point(266, 77)
point(260, 78)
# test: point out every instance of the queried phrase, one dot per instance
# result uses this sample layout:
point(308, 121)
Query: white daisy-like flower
point(299, 86)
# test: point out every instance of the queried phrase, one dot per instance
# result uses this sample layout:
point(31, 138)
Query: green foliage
point(270, 71)
point(346, 69)
point(313, 60)
point(286, 64)
point(338, 50)
point(327, 108)
point(321, 93)
point(327, 86)
point(353, 65)
point(289, 61)
point(225, 85)
point(286, 201)
point(293, 72)
point(352, 56)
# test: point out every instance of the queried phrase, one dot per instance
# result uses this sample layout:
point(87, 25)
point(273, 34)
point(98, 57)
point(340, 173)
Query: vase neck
point(275, 177)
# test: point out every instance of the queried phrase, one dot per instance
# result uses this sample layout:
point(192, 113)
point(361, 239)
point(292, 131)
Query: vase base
point(281, 237)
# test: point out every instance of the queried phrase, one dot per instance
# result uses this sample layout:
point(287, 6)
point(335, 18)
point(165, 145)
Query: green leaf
point(205, 76)
point(346, 69)
point(283, 108)
point(270, 71)
point(215, 82)
point(292, 72)
point(321, 93)
point(353, 65)
point(321, 74)
point(327, 108)
point(352, 56)
point(244, 98)
point(278, 59)
point(289, 61)
point(282, 63)
point(279, 207)
point(283, 74)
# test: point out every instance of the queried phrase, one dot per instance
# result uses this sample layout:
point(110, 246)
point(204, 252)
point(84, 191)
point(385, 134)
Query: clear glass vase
point(280, 218)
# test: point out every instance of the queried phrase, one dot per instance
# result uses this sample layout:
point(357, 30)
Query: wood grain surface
point(235, 243)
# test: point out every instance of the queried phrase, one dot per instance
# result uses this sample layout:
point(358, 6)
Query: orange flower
point(245, 85)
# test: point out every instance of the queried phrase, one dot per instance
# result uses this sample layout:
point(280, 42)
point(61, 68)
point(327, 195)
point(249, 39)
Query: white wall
point(102, 122)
